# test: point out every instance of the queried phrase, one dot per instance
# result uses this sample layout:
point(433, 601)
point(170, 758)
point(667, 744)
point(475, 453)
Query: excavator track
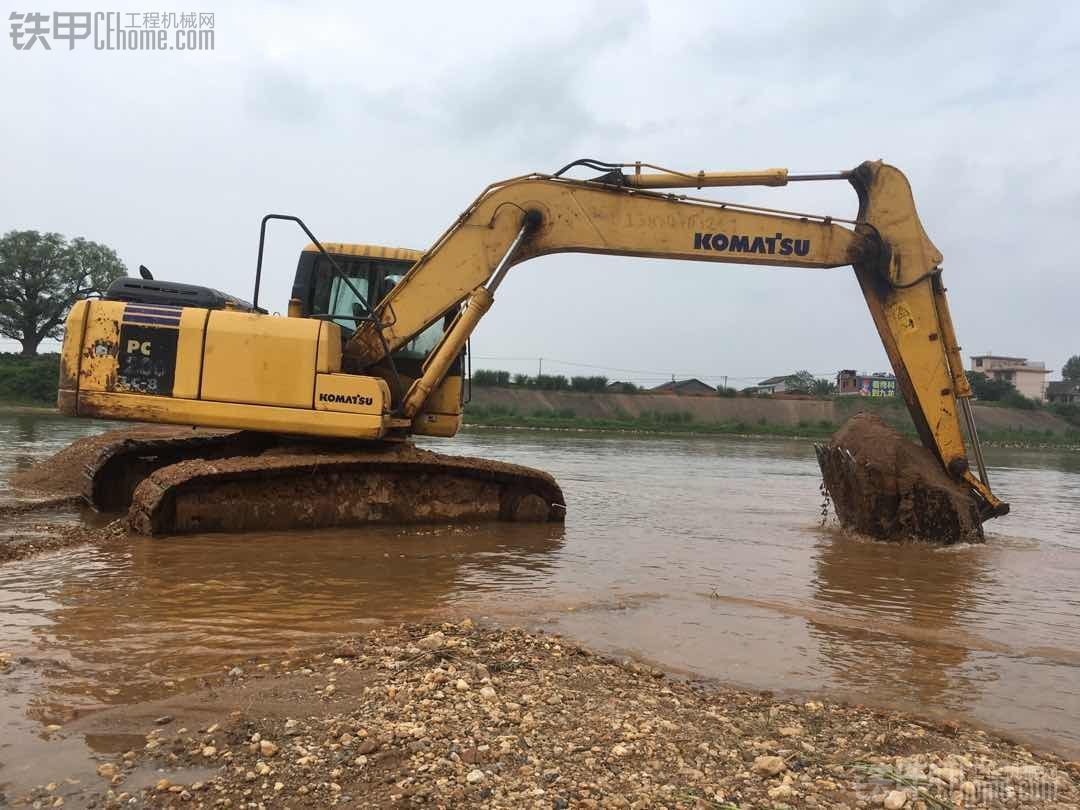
point(243, 481)
point(112, 474)
point(286, 489)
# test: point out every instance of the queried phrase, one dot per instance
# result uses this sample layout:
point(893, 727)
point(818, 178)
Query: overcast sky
point(380, 122)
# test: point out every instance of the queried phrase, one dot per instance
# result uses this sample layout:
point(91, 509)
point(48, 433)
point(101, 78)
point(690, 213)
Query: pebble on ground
point(456, 715)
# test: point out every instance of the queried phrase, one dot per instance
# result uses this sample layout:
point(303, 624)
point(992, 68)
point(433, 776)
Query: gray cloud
point(278, 95)
point(532, 93)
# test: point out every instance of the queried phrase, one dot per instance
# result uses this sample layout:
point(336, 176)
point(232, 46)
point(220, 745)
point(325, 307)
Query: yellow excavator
point(303, 419)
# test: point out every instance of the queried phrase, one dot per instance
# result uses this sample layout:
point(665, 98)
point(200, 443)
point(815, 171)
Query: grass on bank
point(648, 422)
point(29, 380)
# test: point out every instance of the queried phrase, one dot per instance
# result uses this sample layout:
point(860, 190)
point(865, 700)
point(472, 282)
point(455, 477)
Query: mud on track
point(179, 480)
point(306, 486)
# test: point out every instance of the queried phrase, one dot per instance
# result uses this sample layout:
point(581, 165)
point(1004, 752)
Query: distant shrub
point(1068, 411)
point(988, 389)
point(29, 379)
point(1014, 399)
point(543, 382)
point(487, 377)
point(589, 384)
point(726, 392)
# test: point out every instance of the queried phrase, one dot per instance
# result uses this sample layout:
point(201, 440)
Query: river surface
point(704, 555)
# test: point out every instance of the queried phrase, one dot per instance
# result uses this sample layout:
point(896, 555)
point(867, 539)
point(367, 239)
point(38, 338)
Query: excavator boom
point(896, 264)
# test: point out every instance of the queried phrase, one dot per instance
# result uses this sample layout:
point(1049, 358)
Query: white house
point(1028, 376)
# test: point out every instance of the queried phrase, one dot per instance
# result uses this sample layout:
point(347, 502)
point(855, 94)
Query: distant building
point(1028, 376)
point(879, 384)
point(1067, 391)
point(775, 385)
point(618, 387)
point(691, 387)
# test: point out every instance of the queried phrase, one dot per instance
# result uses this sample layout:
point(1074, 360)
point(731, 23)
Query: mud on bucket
point(885, 486)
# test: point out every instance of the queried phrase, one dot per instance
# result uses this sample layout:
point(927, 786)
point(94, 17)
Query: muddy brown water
point(701, 554)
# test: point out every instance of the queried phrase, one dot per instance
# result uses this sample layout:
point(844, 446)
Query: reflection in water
point(27, 435)
point(27, 427)
point(910, 604)
point(193, 605)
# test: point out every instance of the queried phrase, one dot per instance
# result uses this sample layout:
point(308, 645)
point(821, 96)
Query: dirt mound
point(890, 488)
point(62, 474)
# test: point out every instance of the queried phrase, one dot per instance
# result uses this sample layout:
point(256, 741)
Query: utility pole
point(540, 371)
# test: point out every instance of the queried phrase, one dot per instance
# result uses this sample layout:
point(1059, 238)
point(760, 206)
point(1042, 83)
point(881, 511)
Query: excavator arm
point(628, 214)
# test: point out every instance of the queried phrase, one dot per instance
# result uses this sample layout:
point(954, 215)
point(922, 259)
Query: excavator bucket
point(242, 481)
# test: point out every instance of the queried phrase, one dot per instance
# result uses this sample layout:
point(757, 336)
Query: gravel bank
point(455, 715)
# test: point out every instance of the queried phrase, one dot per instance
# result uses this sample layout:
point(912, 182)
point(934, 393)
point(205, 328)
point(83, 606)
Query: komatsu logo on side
point(734, 243)
point(346, 399)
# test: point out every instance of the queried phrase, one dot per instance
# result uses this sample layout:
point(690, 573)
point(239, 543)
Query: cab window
point(327, 294)
point(348, 301)
point(330, 295)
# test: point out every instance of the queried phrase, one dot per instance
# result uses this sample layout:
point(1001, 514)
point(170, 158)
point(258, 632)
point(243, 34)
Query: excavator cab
point(348, 293)
point(320, 291)
point(372, 272)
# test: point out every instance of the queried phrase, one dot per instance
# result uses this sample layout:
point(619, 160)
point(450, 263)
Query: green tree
point(589, 384)
point(822, 388)
point(1071, 369)
point(988, 389)
point(1014, 399)
point(490, 377)
point(41, 276)
point(551, 382)
point(801, 382)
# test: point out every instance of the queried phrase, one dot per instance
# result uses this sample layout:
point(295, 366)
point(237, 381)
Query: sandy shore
point(455, 715)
